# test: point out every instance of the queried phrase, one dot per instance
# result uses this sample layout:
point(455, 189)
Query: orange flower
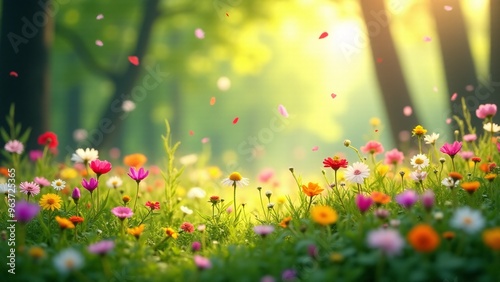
point(171, 233)
point(490, 177)
point(136, 231)
point(76, 219)
point(64, 223)
point(286, 221)
point(448, 235)
point(312, 189)
point(470, 187)
point(135, 160)
point(4, 171)
point(455, 175)
point(423, 238)
point(380, 198)
point(491, 238)
point(324, 215)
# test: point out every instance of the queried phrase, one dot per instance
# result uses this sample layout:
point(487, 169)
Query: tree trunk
point(390, 77)
point(25, 42)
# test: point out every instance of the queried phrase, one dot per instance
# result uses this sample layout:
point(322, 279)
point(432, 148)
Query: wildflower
point(267, 278)
point(438, 216)
point(171, 233)
point(196, 193)
point(373, 147)
point(76, 195)
point(491, 238)
point(347, 142)
point(431, 139)
point(100, 167)
point(427, 199)
point(48, 139)
point(187, 227)
point(380, 198)
point(188, 159)
point(490, 177)
point(468, 220)
point(14, 146)
point(137, 175)
point(29, 188)
point(76, 219)
point(50, 202)
point(85, 156)
point(451, 149)
point(491, 127)
point(312, 189)
point(153, 205)
point(470, 137)
point(58, 184)
point(449, 182)
point(35, 155)
point(423, 238)
point(235, 179)
point(394, 157)
point(114, 182)
point(36, 253)
point(289, 275)
point(419, 161)
point(418, 175)
point(68, 260)
point(90, 185)
point(125, 199)
point(269, 193)
point(214, 200)
point(382, 169)
point(68, 173)
point(202, 227)
point(122, 212)
point(41, 181)
point(25, 211)
point(455, 176)
point(102, 247)
point(486, 111)
point(263, 230)
point(382, 213)
point(357, 172)
point(466, 155)
point(470, 187)
point(266, 175)
point(407, 198)
point(202, 262)
point(64, 223)
point(448, 235)
point(286, 222)
point(186, 210)
point(363, 202)
point(336, 257)
point(324, 215)
point(135, 160)
point(136, 231)
point(418, 131)
point(388, 241)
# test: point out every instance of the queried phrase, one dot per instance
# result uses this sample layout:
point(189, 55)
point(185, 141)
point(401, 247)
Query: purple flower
point(363, 202)
point(196, 246)
point(267, 278)
point(289, 275)
point(202, 262)
point(76, 195)
point(312, 251)
point(427, 199)
point(138, 175)
point(122, 212)
point(90, 185)
point(388, 241)
point(25, 211)
point(451, 149)
point(42, 181)
point(263, 230)
point(102, 247)
point(407, 199)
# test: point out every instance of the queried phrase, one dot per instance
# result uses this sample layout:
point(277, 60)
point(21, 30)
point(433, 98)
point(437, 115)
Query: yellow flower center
point(58, 183)
point(467, 220)
point(235, 176)
point(419, 161)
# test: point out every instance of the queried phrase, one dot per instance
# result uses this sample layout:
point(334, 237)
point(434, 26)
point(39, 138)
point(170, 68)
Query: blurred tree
point(25, 42)
point(494, 52)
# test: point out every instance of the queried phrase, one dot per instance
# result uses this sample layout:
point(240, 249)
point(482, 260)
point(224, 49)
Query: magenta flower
point(100, 167)
point(35, 155)
point(138, 175)
point(388, 241)
point(122, 212)
point(427, 199)
point(373, 147)
point(196, 246)
point(451, 149)
point(90, 185)
point(363, 202)
point(486, 111)
point(76, 195)
point(202, 262)
point(394, 157)
point(263, 230)
point(102, 247)
point(289, 275)
point(42, 181)
point(14, 146)
point(25, 211)
point(29, 188)
point(407, 198)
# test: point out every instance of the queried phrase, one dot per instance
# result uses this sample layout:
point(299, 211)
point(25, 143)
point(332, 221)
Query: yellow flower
point(50, 202)
point(64, 223)
point(126, 199)
point(171, 233)
point(336, 257)
point(419, 131)
point(36, 252)
point(136, 231)
point(491, 238)
point(490, 177)
point(68, 173)
point(280, 200)
point(312, 189)
point(214, 172)
point(382, 169)
point(324, 215)
point(374, 121)
point(285, 222)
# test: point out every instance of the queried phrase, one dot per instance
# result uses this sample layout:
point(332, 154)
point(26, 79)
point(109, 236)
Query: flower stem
point(234, 202)
point(136, 195)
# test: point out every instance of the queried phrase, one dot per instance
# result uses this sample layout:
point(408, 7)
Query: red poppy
point(48, 139)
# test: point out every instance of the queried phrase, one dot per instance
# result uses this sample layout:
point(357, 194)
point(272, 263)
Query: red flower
point(153, 205)
point(187, 227)
point(48, 139)
point(335, 163)
point(100, 167)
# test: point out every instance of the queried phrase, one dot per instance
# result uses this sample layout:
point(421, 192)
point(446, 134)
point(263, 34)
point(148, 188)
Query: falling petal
point(99, 43)
point(199, 33)
point(448, 120)
point(315, 148)
point(191, 132)
point(100, 17)
point(427, 39)
point(133, 60)
point(323, 35)
point(333, 95)
point(205, 140)
point(454, 96)
point(235, 120)
point(407, 111)
point(283, 111)
point(448, 8)
point(13, 74)
point(212, 101)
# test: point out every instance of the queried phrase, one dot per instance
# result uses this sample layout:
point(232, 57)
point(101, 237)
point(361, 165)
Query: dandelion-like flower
point(357, 172)
point(419, 161)
point(466, 219)
point(85, 156)
point(58, 184)
point(418, 131)
point(68, 260)
point(14, 146)
point(114, 182)
point(235, 179)
point(388, 241)
point(50, 202)
point(29, 188)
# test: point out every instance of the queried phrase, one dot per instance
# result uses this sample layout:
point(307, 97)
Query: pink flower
point(202, 262)
point(122, 212)
point(42, 181)
point(14, 146)
point(102, 247)
point(76, 195)
point(100, 167)
point(407, 198)
point(196, 246)
point(363, 202)
point(466, 155)
point(263, 230)
point(137, 175)
point(29, 188)
point(35, 155)
point(153, 205)
point(486, 111)
point(388, 241)
point(373, 147)
point(266, 174)
point(90, 185)
point(451, 149)
point(394, 157)
point(187, 227)
point(427, 199)
point(470, 137)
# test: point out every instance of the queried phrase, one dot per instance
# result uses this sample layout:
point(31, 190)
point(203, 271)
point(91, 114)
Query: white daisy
point(68, 260)
point(196, 193)
point(431, 139)
point(85, 156)
point(4, 188)
point(114, 182)
point(449, 182)
point(235, 179)
point(468, 220)
point(487, 127)
point(419, 161)
point(357, 172)
point(58, 184)
point(188, 159)
point(186, 210)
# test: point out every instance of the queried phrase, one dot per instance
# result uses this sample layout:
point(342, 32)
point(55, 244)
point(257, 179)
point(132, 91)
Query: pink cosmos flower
point(388, 241)
point(35, 155)
point(90, 185)
point(451, 149)
point(153, 205)
point(42, 181)
point(407, 198)
point(266, 174)
point(202, 262)
point(470, 137)
point(394, 157)
point(100, 167)
point(263, 230)
point(102, 247)
point(187, 227)
point(29, 188)
point(363, 202)
point(373, 147)
point(427, 199)
point(486, 111)
point(418, 175)
point(14, 146)
point(122, 212)
point(137, 175)
point(466, 155)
